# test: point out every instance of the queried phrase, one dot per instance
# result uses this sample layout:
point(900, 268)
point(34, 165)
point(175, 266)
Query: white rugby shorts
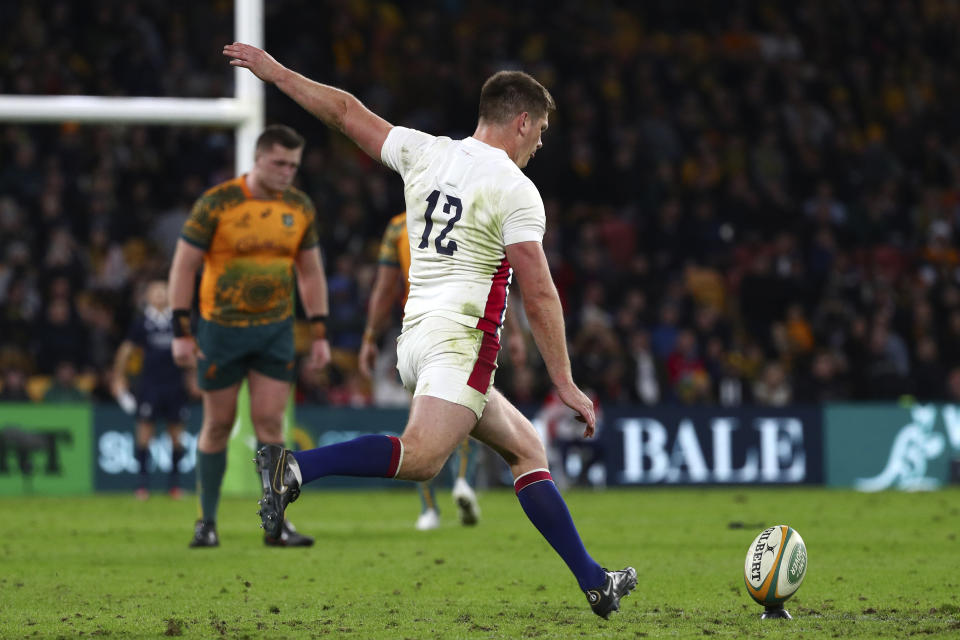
point(445, 359)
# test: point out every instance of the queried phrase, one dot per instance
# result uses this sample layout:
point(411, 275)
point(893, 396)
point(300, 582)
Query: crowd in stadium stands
point(744, 206)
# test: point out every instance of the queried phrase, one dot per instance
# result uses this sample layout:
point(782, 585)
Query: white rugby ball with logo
point(775, 566)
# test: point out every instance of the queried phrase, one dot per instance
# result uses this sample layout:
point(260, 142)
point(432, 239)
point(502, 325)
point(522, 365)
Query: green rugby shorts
point(231, 352)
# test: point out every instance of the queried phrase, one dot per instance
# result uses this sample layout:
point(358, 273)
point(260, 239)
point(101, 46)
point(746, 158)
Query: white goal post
point(244, 112)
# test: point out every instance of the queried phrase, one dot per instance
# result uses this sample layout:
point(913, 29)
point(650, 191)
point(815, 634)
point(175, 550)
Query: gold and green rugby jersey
point(250, 245)
point(395, 250)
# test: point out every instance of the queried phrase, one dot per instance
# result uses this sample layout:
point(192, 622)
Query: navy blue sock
point(366, 456)
point(175, 458)
point(140, 455)
point(546, 509)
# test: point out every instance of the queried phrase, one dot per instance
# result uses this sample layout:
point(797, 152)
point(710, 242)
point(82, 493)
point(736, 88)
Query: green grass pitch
point(880, 566)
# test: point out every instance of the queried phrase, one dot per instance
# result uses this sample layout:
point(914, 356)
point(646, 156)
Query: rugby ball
point(775, 566)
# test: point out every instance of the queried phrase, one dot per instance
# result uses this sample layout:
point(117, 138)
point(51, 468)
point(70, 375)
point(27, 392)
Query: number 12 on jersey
point(451, 202)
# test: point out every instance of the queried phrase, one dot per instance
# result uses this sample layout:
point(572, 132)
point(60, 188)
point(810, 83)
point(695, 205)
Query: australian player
point(473, 221)
point(252, 234)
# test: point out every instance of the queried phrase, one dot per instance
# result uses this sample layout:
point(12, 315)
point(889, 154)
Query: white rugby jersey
point(466, 201)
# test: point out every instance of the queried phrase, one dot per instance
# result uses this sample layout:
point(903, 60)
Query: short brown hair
point(279, 134)
point(508, 93)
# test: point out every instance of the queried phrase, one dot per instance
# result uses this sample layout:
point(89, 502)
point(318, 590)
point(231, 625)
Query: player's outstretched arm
point(542, 304)
point(335, 107)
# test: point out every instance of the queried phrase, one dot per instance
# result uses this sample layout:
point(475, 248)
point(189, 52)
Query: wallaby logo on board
point(914, 446)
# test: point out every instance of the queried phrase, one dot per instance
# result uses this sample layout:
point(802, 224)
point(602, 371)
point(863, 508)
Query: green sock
point(261, 444)
point(467, 457)
point(210, 470)
point(428, 499)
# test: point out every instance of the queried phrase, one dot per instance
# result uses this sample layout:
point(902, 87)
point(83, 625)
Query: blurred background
point(749, 203)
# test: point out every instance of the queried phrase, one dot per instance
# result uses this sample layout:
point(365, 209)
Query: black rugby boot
point(205, 535)
point(289, 537)
point(280, 477)
point(605, 600)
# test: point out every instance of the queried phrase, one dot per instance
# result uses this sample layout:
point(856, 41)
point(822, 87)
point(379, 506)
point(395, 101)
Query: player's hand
point(185, 352)
point(577, 400)
point(127, 402)
point(368, 358)
point(121, 391)
point(119, 386)
point(261, 63)
point(319, 354)
point(190, 384)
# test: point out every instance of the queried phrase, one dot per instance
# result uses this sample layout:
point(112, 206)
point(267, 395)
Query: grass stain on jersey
point(470, 309)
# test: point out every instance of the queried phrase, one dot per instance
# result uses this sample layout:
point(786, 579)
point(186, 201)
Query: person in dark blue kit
point(161, 392)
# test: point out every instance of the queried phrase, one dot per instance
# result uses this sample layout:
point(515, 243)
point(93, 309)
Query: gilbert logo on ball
point(775, 566)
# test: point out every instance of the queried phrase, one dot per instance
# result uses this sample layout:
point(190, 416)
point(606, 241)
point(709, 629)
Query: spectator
point(884, 365)
point(663, 338)
point(64, 387)
point(646, 382)
point(773, 388)
point(686, 372)
point(953, 385)
point(60, 337)
point(822, 381)
point(929, 376)
point(824, 209)
point(14, 386)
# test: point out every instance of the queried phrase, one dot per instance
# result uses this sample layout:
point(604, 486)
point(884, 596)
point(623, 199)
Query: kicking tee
point(466, 201)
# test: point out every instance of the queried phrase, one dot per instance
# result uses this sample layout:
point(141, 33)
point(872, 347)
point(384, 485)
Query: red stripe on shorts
point(394, 457)
point(486, 362)
point(529, 478)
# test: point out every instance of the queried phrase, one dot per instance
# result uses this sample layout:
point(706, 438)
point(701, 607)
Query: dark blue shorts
point(168, 403)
